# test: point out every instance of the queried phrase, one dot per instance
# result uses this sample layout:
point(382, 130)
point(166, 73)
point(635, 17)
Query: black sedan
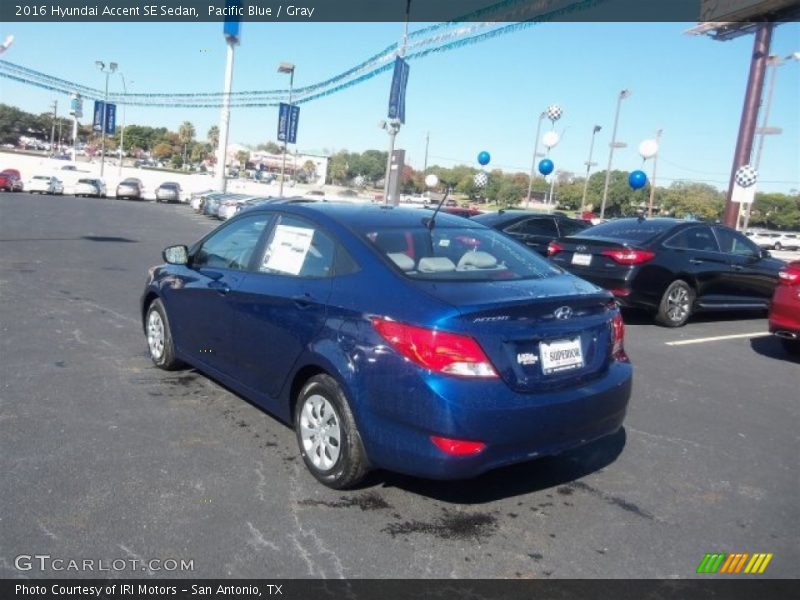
point(671, 267)
point(535, 230)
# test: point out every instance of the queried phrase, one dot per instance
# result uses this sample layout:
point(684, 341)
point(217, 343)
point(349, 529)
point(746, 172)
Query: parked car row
point(775, 240)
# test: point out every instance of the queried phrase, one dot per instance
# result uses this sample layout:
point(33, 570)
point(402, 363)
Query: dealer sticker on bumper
point(561, 355)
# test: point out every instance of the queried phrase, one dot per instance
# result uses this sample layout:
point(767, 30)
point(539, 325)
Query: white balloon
point(431, 180)
point(648, 149)
point(550, 139)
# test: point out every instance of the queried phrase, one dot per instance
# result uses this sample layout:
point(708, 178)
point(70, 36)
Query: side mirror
point(766, 253)
point(176, 255)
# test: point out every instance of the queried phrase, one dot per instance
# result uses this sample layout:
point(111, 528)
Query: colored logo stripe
point(734, 563)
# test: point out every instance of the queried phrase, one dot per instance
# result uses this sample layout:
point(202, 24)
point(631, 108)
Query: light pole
point(232, 38)
point(611, 146)
point(589, 165)
point(111, 68)
point(765, 130)
point(391, 127)
point(286, 67)
point(122, 132)
point(535, 156)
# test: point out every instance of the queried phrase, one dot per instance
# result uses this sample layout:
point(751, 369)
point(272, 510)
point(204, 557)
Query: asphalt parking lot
point(103, 456)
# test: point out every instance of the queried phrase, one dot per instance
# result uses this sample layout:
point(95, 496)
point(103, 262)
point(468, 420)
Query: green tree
point(213, 137)
point(242, 156)
point(162, 151)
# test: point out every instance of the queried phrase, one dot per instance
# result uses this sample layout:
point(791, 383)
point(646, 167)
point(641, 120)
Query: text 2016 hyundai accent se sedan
point(393, 338)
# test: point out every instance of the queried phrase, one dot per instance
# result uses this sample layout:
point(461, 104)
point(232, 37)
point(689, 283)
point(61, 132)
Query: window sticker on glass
point(288, 249)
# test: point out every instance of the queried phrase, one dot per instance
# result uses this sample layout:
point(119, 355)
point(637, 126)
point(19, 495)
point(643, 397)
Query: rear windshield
point(42, 177)
point(457, 254)
point(633, 230)
point(89, 181)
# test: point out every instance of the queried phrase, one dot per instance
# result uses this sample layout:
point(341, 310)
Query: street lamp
point(111, 68)
point(589, 165)
point(611, 146)
point(535, 156)
point(122, 132)
point(286, 67)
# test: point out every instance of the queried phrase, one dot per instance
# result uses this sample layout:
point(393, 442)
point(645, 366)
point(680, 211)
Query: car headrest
point(404, 261)
point(435, 264)
point(477, 259)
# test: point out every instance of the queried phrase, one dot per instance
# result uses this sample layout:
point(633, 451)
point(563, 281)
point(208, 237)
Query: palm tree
point(186, 135)
point(213, 136)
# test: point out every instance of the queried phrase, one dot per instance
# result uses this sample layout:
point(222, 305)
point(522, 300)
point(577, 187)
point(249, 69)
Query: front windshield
point(457, 254)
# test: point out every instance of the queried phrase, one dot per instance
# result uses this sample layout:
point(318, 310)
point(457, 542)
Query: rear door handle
point(220, 286)
point(696, 261)
point(738, 268)
point(302, 301)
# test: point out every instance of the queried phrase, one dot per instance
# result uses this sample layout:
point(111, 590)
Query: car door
point(695, 254)
point(535, 232)
point(201, 305)
point(752, 277)
point(281, 306)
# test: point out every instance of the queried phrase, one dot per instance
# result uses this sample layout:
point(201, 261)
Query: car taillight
point(626, 256)
point(457, 447)
point(554, 248)
point(789, 275)
point(439, 351)
point(618, 338)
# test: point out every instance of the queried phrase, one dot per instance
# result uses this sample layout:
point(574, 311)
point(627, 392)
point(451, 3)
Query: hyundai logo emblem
point(564, 312)
point(581, 248)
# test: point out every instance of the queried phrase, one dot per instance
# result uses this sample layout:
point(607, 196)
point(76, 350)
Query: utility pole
point(111, 68)
point(653, 178)
point(53, 128)
point(286, 68)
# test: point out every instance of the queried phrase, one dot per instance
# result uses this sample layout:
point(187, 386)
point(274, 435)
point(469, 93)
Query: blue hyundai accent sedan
point(393, 338)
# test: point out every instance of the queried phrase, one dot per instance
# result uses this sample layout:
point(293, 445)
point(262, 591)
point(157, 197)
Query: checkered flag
point(481, 179)
point(746, 176)
point(554, 112)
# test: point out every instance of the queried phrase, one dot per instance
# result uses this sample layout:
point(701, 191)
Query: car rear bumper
point(397, 422)
point(784, 315)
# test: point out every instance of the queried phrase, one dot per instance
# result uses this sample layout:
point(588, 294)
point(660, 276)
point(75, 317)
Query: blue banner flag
point(397, 96)
point(231, 28)
point(288, 120)
point(111, 119)
point(99, 110)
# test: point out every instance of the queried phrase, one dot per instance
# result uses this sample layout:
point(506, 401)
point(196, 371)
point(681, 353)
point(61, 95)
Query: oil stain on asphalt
point(451, 526)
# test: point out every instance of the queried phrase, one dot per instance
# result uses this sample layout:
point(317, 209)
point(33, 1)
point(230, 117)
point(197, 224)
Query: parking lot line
point(718, 338)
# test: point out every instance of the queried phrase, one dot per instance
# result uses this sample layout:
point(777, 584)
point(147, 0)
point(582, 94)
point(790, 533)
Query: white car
point(775, 240)
point(45, 184)
point(88, 186)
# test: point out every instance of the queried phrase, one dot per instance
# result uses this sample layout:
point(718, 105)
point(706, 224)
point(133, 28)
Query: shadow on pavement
point(772, 347)
point(515, 480)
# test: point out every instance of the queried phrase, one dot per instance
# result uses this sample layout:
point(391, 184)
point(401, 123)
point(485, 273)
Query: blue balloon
point(484, 158)
point(637, 179)
point(546, 166)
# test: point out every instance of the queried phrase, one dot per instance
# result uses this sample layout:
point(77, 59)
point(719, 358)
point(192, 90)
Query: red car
point(784, 313)
point(10, 181)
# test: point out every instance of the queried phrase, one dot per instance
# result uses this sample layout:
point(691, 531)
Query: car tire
point(159, 337)
point(777, 246)
point(791, 346)
point(321, 410)
point(676, 304)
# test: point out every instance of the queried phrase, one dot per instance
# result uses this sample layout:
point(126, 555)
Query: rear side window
point(457, 254)
point(298, 248)
point(569, 227)
point(694, 238)
point(634, 230)
point(537, 226)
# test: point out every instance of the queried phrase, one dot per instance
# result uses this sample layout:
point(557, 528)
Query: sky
point(486, 96)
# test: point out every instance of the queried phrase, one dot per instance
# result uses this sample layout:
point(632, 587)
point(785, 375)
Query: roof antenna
point(431, 181)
